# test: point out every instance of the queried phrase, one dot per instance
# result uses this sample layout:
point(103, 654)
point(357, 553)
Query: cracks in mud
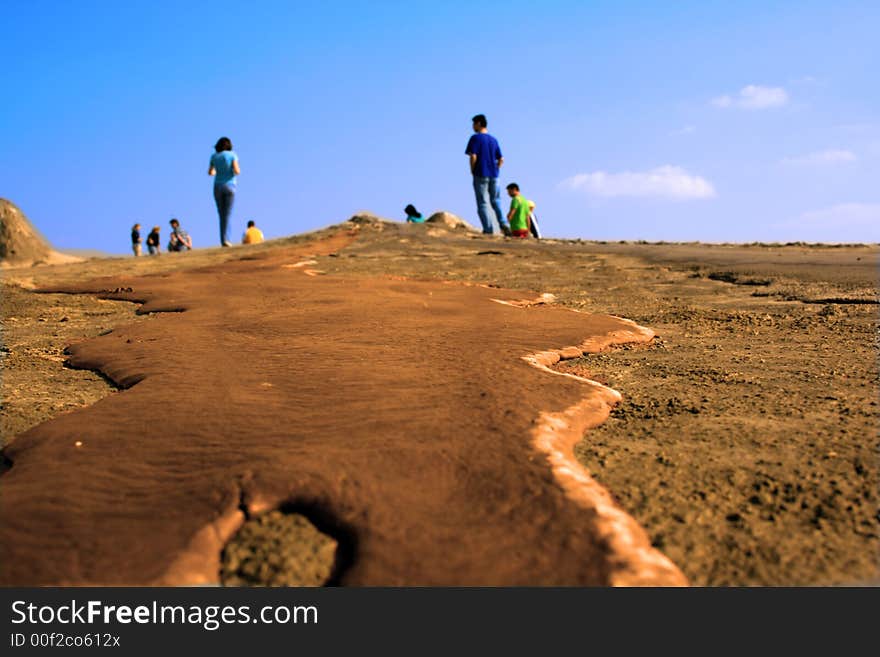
point(841, 300)
point(734, 278)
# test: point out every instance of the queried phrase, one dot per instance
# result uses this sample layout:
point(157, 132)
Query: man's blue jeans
point(224, 195)
point(488, 195)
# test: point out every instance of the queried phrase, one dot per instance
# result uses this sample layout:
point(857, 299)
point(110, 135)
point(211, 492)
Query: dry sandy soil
point(746, 442)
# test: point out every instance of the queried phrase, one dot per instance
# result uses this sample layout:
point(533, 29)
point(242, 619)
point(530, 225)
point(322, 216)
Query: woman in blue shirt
point(224, 168)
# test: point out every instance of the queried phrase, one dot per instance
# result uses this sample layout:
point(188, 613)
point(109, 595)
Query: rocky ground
point(746, 443)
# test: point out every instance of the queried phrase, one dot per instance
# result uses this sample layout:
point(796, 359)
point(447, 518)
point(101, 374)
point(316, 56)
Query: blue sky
point(741, 121)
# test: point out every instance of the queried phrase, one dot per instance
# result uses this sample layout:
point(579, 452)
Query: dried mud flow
point(378, 387)
point(393, 407)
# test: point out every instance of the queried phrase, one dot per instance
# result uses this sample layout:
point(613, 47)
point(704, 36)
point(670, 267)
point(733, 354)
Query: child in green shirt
point(518, 216)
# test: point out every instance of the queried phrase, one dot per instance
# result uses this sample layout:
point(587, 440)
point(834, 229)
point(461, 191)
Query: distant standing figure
point(136, 239)
point(486, 160)
point(252, 235)
point(519, 212)
point(179, 240)
point(224, 167)
point(153, 241)
point(413, 216)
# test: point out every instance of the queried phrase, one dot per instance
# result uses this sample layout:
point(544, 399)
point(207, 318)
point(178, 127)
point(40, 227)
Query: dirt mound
point(21, 244)
point(368, 218)
point(442, 219)
point(449, 220)
point(19, 240)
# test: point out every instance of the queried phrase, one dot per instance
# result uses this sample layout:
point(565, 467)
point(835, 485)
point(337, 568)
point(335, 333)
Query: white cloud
point(667, 181)
point(754, 97)
point(843, 215)
point(686, 130)
point(808, 80)
point(859, 128)
point(831, 156)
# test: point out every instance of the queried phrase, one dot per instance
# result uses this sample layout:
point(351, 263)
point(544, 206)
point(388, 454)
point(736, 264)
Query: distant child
point(413, 216)
point(179, 240)
point(518, 216)
point(136, 239)
point(153, 241)
point(252, 235)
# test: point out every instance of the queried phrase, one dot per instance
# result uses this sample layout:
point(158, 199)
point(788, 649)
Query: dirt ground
point(746, 443)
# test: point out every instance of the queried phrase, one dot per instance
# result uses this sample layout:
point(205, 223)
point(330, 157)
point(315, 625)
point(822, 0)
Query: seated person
point(179, 240)
point(519, 212)
point(413, 216)
point(252, 235)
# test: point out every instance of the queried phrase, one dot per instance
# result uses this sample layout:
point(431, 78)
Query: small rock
point(449, 220)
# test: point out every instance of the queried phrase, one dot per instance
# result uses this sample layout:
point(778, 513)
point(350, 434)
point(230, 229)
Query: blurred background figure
point(179, 240)
point(413, 216)
point(224, 167)
point(252, 235)
point(136, 239)
point(153, 241)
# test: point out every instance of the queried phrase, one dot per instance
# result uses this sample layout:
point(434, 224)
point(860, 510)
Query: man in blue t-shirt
point(485, 158)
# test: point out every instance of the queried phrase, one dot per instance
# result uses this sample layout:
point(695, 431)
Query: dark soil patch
point(278, 549)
